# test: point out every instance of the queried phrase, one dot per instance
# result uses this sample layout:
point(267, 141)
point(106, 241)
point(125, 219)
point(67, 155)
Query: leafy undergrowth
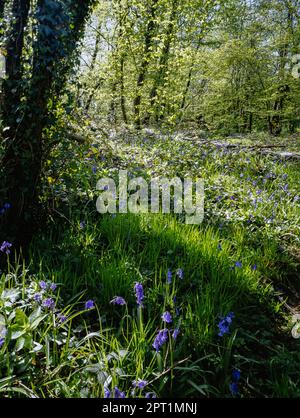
point(208, 317)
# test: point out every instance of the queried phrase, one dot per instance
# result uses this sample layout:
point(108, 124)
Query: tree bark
point(2, 5)
point(150, 30)
point(122, 87)
point(163, 60)
point(24, 146)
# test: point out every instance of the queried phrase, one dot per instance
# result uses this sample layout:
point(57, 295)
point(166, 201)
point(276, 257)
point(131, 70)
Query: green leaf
point(35, 314)
point(37, 321)
point(21, 317)
point(17, 334)
point(20, 344)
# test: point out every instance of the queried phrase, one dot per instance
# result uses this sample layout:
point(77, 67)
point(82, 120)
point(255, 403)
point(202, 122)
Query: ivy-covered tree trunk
point(2, 5)
point(25, 111)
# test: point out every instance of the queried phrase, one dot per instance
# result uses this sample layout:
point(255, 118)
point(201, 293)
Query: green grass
point(112, 345)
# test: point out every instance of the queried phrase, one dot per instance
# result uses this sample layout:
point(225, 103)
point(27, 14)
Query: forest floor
point(231, 284)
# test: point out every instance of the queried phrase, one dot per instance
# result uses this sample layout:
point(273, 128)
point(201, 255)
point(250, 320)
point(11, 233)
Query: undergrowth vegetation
point(145, 305)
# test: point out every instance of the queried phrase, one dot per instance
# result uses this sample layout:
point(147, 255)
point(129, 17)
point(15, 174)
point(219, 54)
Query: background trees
point(223, 65)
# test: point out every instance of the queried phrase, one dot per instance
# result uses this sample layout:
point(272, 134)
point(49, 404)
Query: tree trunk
point(145, 63)
point(2, 5)
point(122, 98)
point(92, 67)
point(24, 147)
point(163, 63)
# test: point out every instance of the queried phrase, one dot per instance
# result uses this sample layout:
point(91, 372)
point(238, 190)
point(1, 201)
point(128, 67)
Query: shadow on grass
point(106, 259)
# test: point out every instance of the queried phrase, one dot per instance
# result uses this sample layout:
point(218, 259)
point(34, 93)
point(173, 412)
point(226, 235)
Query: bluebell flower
point(224, 324)
point(139, 292)
point(49, 303)
point(254, 267)
point(160, 339)
point(5, 208)
point(2, 341)
point(94, 169)
point(140, 384)
point(175, 334)
point(150, 395)
point(53, 287)
point(43, 285)
point(37, 297)
point(167, 317)
point(5, 247)
point(180, 274)
point(234, 389)
point(62, 318)
point(82, 225)
point(89, 304)
point(118, 300)
point(236, 375)
point(169, 277)
point(238, 264)
point(106, 393)
point(118, 394)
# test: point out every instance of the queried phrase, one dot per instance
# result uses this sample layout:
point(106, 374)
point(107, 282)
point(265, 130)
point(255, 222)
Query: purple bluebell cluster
point(234, 387)
point(150, 395)
point(37, 297)
point(49, 304)
point(118, 394)
point(169, 277)
point(118, 300)
point(5, 208)
point(43, 285)
point(89, 305)
point(139, 292)
point(107, 393)
point(236, 375)
point(224, 324)
point(61, 318)
point(175, 334)
point(139, 384)
point(167, 317)
point(5, 247)
point(160, 339)
point(180, 274)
